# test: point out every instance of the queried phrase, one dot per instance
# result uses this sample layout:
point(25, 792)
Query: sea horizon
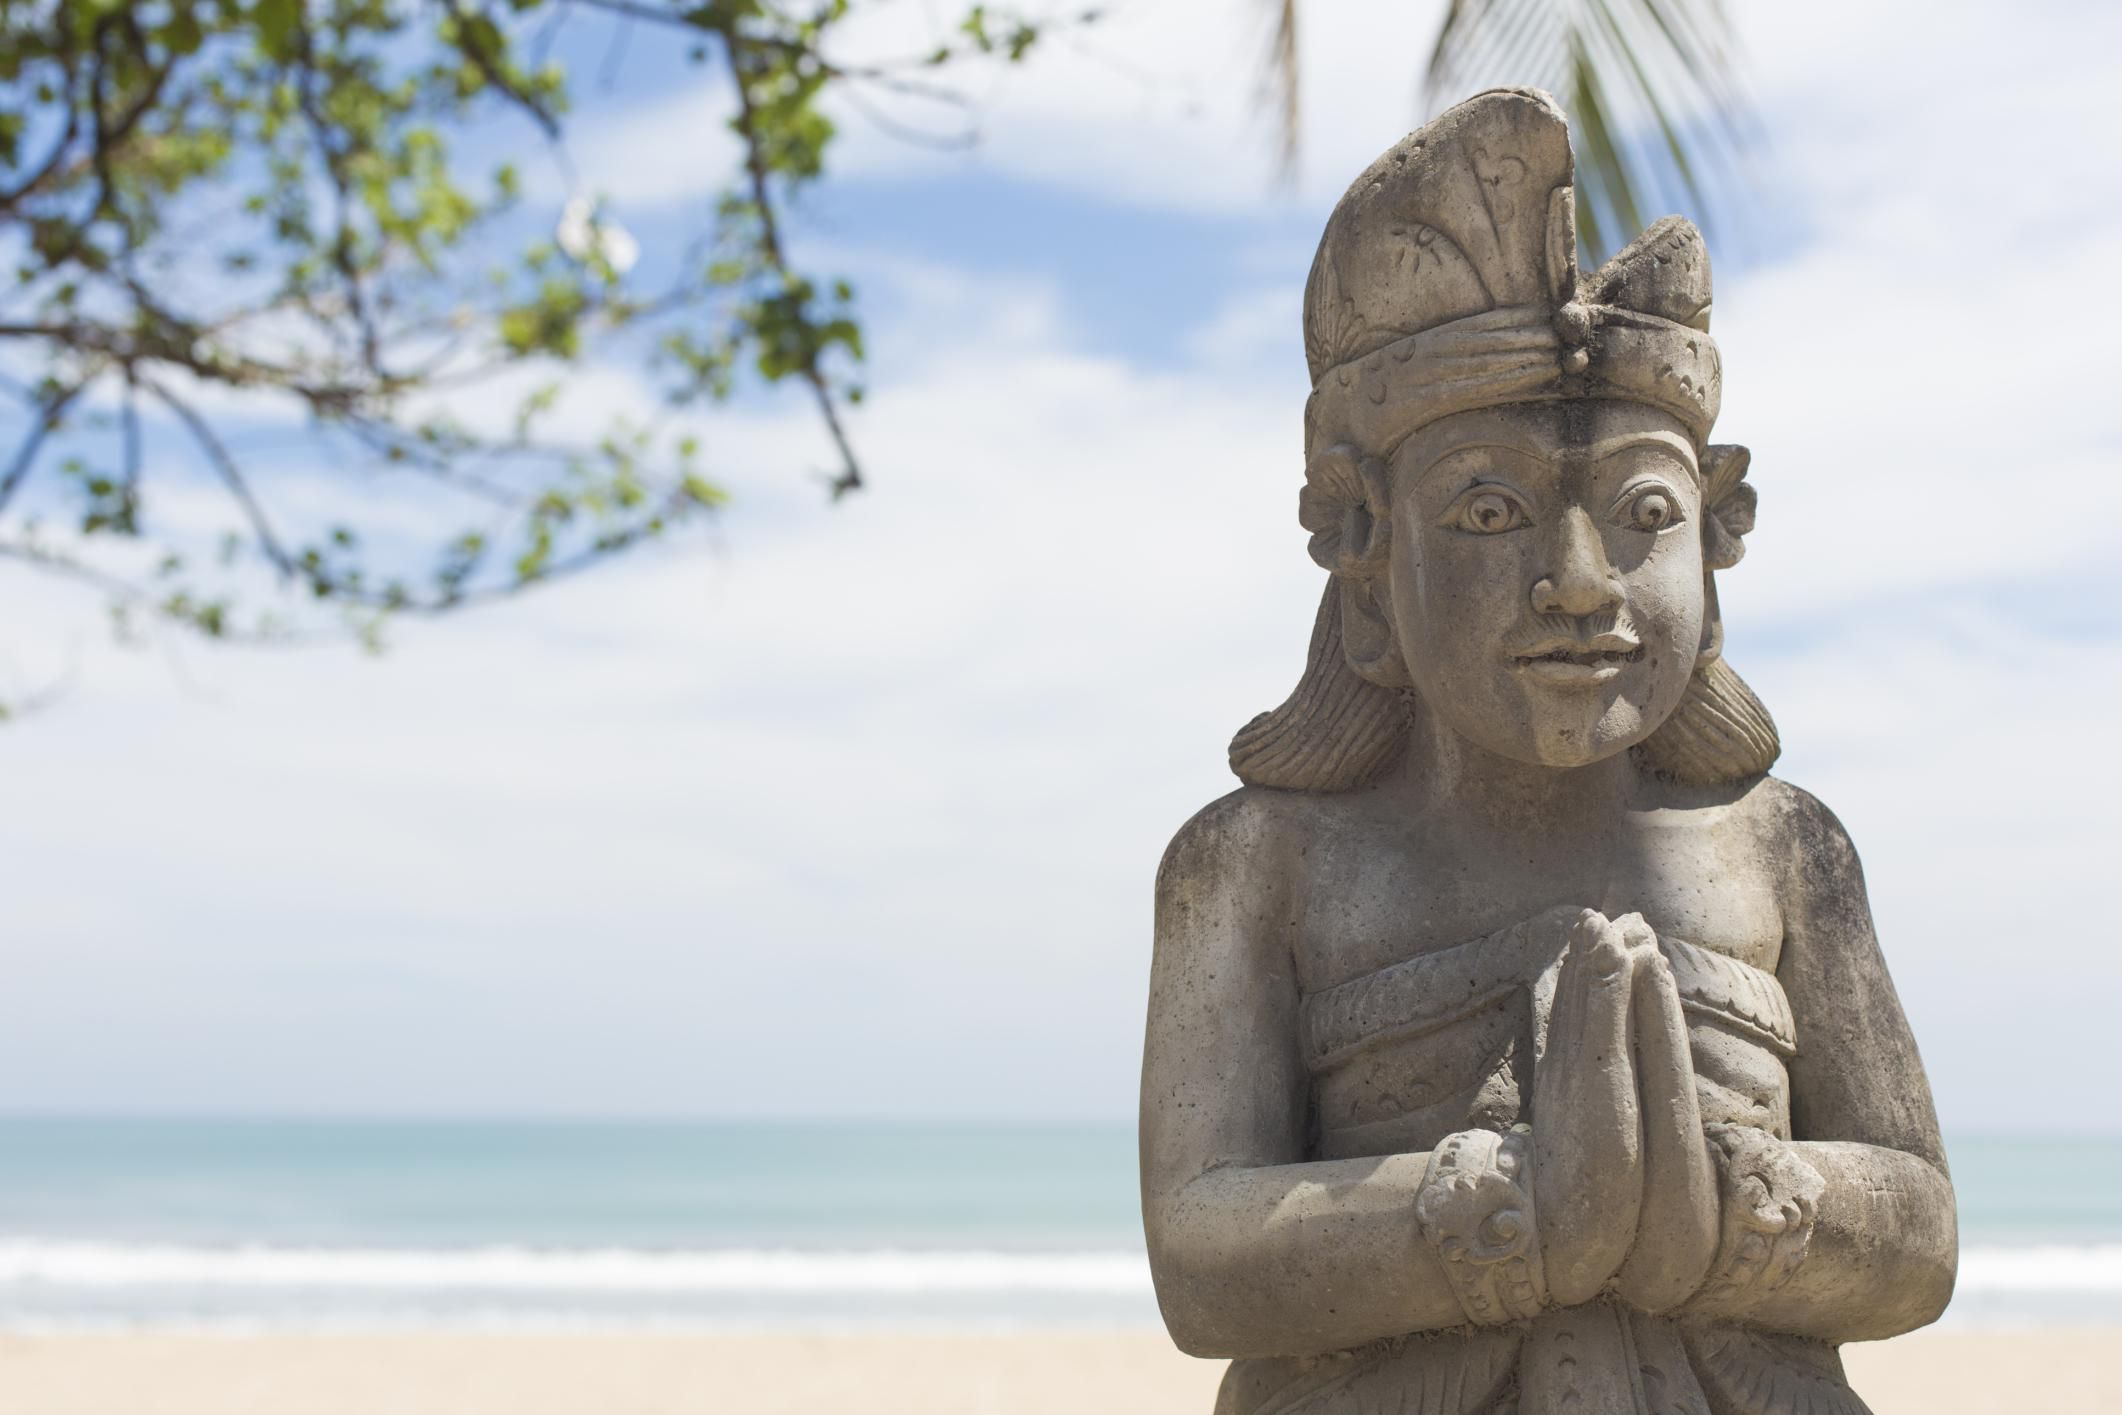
point(372, 1222)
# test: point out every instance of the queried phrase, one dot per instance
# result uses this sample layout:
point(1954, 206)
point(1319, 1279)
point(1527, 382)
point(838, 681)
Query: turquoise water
point(338, 1222)
point(465, 1184)
point(2022, 1191)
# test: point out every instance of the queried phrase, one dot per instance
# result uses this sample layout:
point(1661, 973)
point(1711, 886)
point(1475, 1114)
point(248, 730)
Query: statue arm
point(1254, 1251)
point(1883, 1248)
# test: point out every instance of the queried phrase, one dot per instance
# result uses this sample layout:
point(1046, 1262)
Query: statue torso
point(1423, 1011)
point(1422, 1019)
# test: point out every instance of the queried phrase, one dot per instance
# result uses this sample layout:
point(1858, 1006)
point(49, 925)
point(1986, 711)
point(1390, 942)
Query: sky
point(853, 810)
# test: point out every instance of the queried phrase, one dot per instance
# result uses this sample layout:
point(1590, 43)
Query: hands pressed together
point(1618, 1186)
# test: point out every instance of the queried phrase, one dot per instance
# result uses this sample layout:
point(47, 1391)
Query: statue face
point(1545, 579)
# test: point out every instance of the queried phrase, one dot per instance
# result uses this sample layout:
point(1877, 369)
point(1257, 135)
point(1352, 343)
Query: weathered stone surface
point(1515, 1041)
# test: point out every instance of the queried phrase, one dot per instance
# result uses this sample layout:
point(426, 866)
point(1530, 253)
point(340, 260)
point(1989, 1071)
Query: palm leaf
point(1485, 36)
point(1651, 87)
point(1279, 80)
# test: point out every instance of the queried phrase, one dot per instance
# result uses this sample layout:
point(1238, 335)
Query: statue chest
point(1424, 1011)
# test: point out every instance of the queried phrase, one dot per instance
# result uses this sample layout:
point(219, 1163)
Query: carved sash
point(1434, 990)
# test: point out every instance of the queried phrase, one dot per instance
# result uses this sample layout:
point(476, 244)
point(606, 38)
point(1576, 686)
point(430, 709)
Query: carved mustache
point(1583, 640)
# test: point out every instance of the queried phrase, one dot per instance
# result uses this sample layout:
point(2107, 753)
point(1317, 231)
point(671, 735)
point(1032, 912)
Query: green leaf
point(277, 22)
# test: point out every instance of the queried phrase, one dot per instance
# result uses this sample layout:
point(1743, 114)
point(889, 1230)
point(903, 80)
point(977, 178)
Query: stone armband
point(1769, 1196)
point(1476, 1209)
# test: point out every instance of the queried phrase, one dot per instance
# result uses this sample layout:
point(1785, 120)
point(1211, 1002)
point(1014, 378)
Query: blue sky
point(854, 810)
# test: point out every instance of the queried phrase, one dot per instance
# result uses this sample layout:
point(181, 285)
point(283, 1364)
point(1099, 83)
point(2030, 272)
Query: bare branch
point(129, 437)
point(46, 420)
point(224, 465)
point(960, 141)
point(633, 10)
point(126, 594)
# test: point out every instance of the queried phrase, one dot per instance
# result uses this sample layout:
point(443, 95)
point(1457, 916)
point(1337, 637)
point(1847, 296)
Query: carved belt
point(1432, 991)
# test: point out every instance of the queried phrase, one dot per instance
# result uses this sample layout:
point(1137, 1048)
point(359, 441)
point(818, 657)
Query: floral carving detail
point(1495, 175)
point(1730, 503)
point(1334, 329)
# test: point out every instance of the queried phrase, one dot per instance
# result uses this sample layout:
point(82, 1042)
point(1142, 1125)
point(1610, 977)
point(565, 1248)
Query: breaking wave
point(41, 1262)
point(64, 1284)
point(60, 1263)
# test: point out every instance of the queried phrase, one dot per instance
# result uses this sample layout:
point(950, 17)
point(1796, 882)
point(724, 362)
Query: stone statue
point(1516, 1043)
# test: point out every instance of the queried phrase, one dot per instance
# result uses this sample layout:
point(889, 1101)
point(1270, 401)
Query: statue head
point(1509, 476)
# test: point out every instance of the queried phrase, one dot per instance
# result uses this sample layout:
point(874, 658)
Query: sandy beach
point(1930, 1373)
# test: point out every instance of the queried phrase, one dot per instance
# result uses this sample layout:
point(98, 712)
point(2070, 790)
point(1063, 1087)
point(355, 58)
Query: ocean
point(375, 1224)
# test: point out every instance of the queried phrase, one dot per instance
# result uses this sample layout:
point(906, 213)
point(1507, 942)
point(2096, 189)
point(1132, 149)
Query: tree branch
point(9, 200)
point(489, 67)
point(26, 452)
point(849, 478)
point(231, 475)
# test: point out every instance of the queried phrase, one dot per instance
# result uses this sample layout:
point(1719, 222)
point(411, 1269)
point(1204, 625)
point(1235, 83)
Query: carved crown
point(1447, 279)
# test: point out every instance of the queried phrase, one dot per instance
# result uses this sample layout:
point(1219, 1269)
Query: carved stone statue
point(1516, 1043)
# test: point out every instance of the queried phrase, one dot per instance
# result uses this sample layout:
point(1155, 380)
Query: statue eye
point(1487, 512)
point(1651, 509)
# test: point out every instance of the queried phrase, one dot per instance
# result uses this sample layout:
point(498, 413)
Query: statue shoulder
point(1817, 859)
point(1223, 915)
point(1243, 846)
point(1238, 833)
point(1801, 823)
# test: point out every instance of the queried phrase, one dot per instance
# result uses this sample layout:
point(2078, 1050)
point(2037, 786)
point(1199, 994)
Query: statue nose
point(1582, 581)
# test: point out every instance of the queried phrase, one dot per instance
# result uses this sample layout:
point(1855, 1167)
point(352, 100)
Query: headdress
point(1447, 280)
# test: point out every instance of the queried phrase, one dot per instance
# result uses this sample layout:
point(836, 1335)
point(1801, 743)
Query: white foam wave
point(508, 1269)
point(2048, 1268)
point(48, 1263)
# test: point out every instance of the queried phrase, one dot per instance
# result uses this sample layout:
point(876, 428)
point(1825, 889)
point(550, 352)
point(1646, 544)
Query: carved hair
point(1339, 730)
point(1336, 732)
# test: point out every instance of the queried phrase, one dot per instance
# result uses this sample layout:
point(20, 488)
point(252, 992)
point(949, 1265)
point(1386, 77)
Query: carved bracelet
point(1769, 1197)
point(1475, 1208)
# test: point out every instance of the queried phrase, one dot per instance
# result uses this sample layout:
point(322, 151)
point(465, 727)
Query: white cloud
point(1962, 750)
point(1160, 105)
point(1261, 327)
point(1157, 104)
point(1924, 402)
point(674, 148)
point(766, 780)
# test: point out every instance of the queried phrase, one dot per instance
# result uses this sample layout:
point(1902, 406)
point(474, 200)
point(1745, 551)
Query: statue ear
point(1712, 644)
point(1727, 516)
point(1367, 635)
point(1347, 506)
point(1727, 505)
point(1348, 510)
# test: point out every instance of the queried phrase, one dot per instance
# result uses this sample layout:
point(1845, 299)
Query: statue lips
point(1579, 663)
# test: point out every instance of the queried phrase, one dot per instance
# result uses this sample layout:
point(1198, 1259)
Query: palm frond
point(1497, 36)
point(1661, 117)
point(1279, 81)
